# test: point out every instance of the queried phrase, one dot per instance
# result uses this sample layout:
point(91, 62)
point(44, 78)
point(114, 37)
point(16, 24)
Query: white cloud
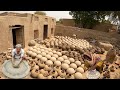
point(55, 14)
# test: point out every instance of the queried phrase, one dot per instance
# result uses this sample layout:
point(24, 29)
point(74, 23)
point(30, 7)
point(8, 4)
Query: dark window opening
point(14, 37)
point(51, 30)
point(45, 31)
point(36, 34)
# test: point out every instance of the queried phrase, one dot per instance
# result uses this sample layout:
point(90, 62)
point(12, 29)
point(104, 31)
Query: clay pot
point(45, 73)
point(39, 56)
point(33, 55)
point(31, 43)
point(78, 63)
point(60, 77)
point(67, 55)
point(41, 65)
point(36, 67)
point(47, 68)
point(69, 76)
point(54, 73)
point(78, 75)
point(71, 60)
point(50, 53)
point(65, 66)
point(50, 77)
point(57, 63)
point(61, 73)
point(70, 71)
point(48, 56)
point(73, 65)
point(80, 69)
point(34, 73)
point(43, 59)
point(43, 54)
point(49, 63)
point(57, 68)
point(83, 65)
point(55, 55)
point(32, 63)
point(60, 59)
point(42, 71)
point(53, 59)
point(40, 76)
point(66, 61)
point(112, 69)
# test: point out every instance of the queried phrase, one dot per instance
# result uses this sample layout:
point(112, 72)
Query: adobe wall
point(86, 33)
point(6, 35)
point(67, 22)
point(106, 27)
point(30, 24)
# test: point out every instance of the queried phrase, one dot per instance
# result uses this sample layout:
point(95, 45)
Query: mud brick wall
point(82, 33)
point(30, 24)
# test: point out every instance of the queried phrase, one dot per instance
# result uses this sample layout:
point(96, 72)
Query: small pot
point(34, 73)
point(61, 73)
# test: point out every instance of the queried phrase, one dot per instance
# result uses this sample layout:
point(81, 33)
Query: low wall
point(113, 38)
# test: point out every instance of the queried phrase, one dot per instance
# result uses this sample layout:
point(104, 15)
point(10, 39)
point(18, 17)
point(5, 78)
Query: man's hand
point(23, 58)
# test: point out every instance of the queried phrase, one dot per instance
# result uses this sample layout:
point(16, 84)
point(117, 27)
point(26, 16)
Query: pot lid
point(93, 74)
point(15, 73)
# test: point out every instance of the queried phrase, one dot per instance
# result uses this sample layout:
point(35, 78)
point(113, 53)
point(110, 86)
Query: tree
point(40, 13)
point(88, 19)
point(114, 17)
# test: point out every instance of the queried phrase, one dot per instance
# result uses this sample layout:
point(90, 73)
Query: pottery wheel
point(93, 74)
point(15, 73)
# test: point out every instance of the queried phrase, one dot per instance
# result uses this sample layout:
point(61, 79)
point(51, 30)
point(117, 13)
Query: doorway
point(36, 34)
point(18, 35)
point(45, 32)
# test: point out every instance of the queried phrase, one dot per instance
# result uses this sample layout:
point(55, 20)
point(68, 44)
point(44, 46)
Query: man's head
point(18, 47)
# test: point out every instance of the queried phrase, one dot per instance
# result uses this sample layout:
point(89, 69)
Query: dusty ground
point(103, 56)
point(28, 76)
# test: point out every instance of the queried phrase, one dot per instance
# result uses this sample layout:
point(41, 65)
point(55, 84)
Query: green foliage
point(88, 19)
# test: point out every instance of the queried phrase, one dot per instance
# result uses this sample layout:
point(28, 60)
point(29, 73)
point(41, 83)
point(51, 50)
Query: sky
point(56, 14)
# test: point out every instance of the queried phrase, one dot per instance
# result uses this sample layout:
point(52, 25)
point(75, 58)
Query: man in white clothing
point(17, 55)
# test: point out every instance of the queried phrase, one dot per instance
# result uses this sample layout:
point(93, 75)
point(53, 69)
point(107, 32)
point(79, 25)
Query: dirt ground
point(28, 76)
point(103, 56)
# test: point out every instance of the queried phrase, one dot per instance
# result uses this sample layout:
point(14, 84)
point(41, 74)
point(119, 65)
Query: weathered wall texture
point(30, 23)
point(113, 38)
point(101, 27)
point(67, 22)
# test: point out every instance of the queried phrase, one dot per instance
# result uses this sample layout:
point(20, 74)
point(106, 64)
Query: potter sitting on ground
point(17, 55)
point(94, 62)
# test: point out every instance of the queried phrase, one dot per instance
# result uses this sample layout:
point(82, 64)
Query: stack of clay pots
point(46, 63)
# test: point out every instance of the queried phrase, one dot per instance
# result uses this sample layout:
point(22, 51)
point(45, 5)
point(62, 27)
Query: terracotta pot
point(78, 75)
point(47, 68)
point(40, 76)
point(61, 73)
point(34, 73)
point(54, 73)
point(42, 65)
